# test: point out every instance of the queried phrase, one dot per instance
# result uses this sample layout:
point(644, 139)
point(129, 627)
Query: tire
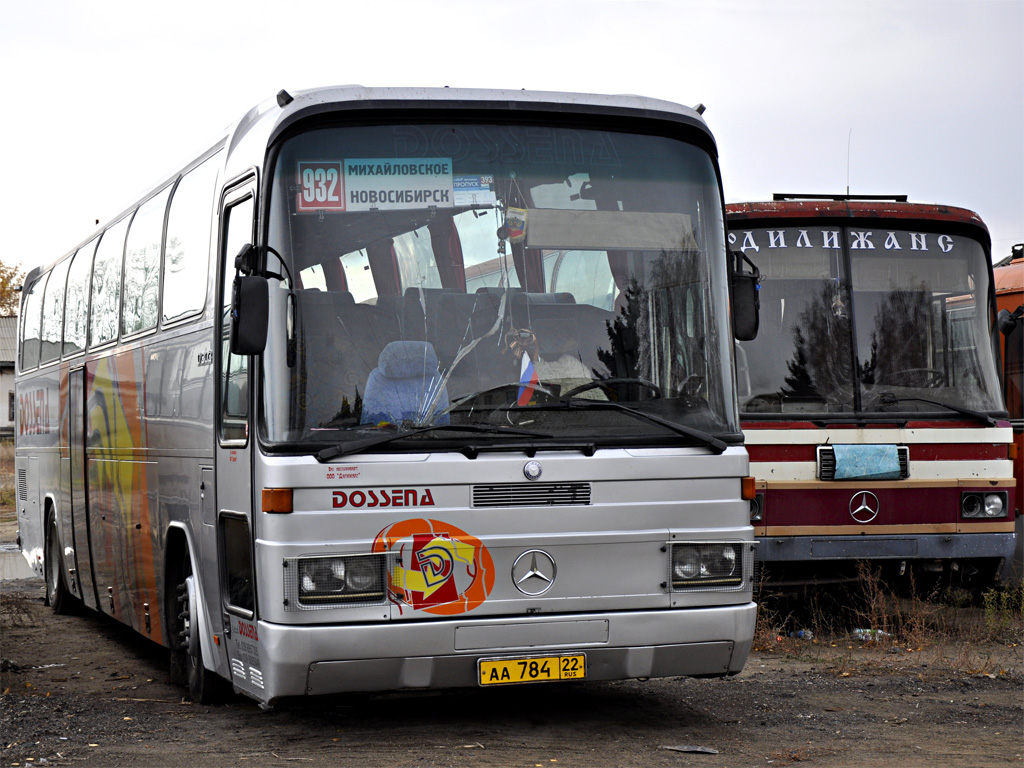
point(57, 595)
point(204, 686)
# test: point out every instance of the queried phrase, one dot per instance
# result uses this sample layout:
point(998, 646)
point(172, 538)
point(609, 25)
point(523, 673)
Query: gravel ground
point(82, 688)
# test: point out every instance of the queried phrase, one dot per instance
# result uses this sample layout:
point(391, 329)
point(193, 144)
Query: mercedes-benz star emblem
point(532, 470)
point(533, 572)
point(864, 507)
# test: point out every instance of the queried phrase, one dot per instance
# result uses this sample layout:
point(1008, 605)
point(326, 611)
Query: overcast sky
point(916, 97)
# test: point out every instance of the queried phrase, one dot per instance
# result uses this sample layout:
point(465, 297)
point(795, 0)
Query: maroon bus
point(870, 399)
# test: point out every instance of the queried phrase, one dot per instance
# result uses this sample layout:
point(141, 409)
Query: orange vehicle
point(1009, 285)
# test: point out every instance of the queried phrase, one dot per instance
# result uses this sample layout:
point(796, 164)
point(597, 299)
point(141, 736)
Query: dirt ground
point(81, 688)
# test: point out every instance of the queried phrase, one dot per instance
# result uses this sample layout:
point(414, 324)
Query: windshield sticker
point(474, 190)
point(440, 569)
point(375, 184)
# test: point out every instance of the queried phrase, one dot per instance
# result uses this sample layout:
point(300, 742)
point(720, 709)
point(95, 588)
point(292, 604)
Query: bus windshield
point(486, 274)
point(900, 323)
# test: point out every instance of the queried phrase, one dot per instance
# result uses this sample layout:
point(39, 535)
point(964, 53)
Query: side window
point(53, 313)
point(30, 322)
point(358, 276)
point(187, 250)
point(142, 266)
point(76, 307)
point(416, 259)
point(234, 368)
point(105, 303)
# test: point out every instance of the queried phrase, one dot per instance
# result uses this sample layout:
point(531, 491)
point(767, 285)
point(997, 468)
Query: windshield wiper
point(888, 398)
point(357, 446)
point(709, 440)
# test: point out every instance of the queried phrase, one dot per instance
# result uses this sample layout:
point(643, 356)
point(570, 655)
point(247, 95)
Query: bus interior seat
point(587, 324)
point(341, 344)
point(458, 320)
point(403, 385)
point(418, 306)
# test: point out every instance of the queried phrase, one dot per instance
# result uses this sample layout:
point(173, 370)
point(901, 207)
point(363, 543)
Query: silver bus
point(403, 388)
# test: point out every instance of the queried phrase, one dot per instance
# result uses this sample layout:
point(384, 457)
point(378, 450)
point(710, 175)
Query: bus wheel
point(57, 596)
point(204, 687)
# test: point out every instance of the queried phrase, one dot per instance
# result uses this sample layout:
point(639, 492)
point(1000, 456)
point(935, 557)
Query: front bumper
point(444, 654)
point(939, 546)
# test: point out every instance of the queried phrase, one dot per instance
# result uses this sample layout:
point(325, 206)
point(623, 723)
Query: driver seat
point(403, 385)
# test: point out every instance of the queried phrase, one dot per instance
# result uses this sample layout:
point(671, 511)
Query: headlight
point(686, 562)
point(994, 505)
point(323, 582)
point(718, 564)
point(757, 508)
point(718, 560)
point(977, 505)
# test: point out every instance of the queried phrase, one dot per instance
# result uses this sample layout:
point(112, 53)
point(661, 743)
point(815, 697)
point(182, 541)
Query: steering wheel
point(928, 377)
point(609, 383)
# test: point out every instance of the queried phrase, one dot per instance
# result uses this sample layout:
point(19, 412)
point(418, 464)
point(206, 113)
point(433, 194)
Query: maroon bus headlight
point(983, 505)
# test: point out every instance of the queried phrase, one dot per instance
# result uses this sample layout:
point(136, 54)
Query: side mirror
point(250, 314)
point(1007, 320)
point(745, 299)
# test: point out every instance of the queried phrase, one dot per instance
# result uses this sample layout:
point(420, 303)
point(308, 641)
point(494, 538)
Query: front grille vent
point(827, 462)
point(531, 495)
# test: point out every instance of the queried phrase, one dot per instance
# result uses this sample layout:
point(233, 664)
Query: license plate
point(532, 669)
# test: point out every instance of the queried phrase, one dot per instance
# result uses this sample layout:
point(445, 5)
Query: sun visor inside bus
point(910, 274)
point(867, 462)
point(608, 230)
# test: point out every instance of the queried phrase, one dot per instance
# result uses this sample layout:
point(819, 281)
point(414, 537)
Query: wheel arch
point(178, 544)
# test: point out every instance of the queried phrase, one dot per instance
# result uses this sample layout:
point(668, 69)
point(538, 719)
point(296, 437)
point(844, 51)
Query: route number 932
point(321, 187)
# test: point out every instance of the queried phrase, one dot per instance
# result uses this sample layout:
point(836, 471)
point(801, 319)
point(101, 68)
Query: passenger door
point(234, 472)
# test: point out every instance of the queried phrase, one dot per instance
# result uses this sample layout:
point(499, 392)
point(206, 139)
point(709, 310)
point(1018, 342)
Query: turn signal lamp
point(277, 500)
point(749, 490)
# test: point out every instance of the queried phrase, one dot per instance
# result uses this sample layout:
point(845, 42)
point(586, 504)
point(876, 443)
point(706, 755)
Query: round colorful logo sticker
point(440, 569)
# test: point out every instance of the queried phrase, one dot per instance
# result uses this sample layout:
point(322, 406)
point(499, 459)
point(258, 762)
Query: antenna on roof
point(699, 108)
point(284, 98)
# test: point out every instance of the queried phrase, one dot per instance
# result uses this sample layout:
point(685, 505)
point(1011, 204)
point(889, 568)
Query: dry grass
point(7, 510)
point(866, 625)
